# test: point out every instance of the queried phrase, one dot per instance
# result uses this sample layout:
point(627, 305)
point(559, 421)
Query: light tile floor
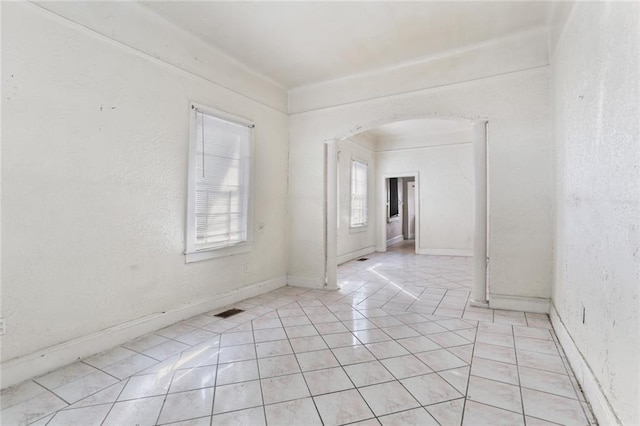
point(396, 345)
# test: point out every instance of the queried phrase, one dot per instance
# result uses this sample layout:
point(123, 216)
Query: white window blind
point(358, 193)
point(222, 181)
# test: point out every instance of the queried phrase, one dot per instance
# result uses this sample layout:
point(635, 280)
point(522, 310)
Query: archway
point(479, 146)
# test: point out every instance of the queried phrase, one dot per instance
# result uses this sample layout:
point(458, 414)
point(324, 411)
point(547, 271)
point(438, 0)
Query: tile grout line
point(255, 349)
point(300, 367)
point(116, 401)
point(515, 351)
point(466, 394)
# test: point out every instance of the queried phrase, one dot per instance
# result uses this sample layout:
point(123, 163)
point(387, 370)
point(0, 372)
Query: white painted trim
point(305, 282)
point(356, 254)
point(602, 410)
point(395, 240)
point(508, 56)
point(517, 303)
point(43, 361)
point(445, 252)
point(330, 216)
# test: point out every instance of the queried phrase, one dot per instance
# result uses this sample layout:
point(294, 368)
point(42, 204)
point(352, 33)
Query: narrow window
point(358, 194)
point(218, 221)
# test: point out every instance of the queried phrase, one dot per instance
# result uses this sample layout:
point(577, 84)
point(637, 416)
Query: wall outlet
point(245, 267)
point(3, 326)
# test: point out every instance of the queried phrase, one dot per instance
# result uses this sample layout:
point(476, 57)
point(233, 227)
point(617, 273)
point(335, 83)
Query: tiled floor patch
point(397, 344)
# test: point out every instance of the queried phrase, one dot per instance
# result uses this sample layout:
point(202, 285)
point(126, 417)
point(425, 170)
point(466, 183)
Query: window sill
point(219, 252)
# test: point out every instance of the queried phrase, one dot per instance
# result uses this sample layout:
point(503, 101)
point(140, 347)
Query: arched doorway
point(477, 144)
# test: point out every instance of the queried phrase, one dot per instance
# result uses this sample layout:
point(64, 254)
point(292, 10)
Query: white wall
point(94, 182)
point(596, 75)
point(355, 242)
point(520, 170)
point(445, 194)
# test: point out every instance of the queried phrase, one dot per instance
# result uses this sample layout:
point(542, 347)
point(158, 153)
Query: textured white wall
point(446, 194)
point(94, 184)
point(520, 170)
point(596, 75)
point(350, 241)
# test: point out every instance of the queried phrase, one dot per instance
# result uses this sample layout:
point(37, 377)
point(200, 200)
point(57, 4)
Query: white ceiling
point(300, 43)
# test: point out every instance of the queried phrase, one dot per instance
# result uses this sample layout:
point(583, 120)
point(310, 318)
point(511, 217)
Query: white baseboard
point(305, 282)
point(600, 405)
point(515, 303)
point(395, 240)
point(355, 254)
point(445, 252)
point(43, 361)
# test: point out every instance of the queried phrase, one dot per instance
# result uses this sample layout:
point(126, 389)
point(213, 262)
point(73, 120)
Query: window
point(219, 209)
point(358, 193)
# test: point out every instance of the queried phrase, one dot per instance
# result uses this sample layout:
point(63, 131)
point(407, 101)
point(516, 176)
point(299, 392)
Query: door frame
point(381, 207)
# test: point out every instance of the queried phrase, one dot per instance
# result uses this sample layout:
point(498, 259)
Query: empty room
point(320, 213)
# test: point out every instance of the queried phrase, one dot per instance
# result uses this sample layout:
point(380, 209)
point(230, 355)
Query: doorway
point(477, 137)
point(400, 211)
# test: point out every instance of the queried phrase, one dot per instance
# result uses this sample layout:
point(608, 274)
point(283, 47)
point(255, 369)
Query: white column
point(479, 293)
point(331, 214)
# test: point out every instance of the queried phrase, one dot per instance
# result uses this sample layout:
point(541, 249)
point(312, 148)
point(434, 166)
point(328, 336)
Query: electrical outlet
point(245, 267)
point(3, 326)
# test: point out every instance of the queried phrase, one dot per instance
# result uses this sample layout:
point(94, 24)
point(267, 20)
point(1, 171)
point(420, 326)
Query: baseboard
point(355, 254)
point(516, 303)
point(395, 240)
point(445, 252)
point(305, 282)
point(602, 410)
point(43, 361)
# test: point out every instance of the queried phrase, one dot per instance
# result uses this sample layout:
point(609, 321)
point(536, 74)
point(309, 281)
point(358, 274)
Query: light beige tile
point(237, 396)
point(308, 344)
point(277, 347)
point(85, 416)
point(250, 416)
point(193, 378)
point(417, 416)
point(481, 414)
point(186, 405)
point(495, 370)
point(138, 411)
point(430, 389)
point(327, 380)
point(342, 407)
point(278, 366)
point(284, 388)
point(352, 354)
point(497, 394)
point(440, 359)
point(387, 398)
point(553, 408)
point(368, 373)
point(297, 412)
point(317, 360)
point(447, 413)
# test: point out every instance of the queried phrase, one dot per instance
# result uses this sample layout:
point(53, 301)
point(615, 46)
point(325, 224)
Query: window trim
point(191, 253)
point(360, 227)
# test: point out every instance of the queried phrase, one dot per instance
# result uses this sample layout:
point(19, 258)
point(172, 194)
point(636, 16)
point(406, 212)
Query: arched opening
point(445, 162)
